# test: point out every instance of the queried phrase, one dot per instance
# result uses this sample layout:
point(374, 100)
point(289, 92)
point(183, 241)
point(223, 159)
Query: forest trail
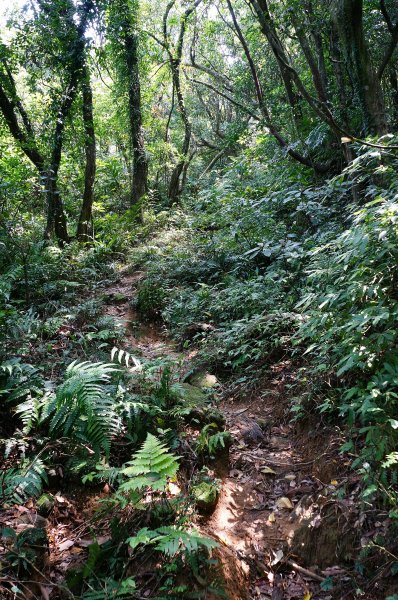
point(269, 484)
point(148, 338)
point(281, 531)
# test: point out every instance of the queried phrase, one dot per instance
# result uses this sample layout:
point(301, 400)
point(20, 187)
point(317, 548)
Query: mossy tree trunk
point(84, 227)
point(368, 95)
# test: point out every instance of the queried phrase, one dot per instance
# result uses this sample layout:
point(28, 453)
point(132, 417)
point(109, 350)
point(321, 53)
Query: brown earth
point(277, 521)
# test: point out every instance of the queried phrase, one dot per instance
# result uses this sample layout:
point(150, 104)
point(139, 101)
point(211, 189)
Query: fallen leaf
point(65, 545)
point(284, 503)
point(307, 596)
point(268, 471)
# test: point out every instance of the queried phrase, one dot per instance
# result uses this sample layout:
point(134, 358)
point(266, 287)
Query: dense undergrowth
point(260, 271)
point(252, 270)
point(78, 403)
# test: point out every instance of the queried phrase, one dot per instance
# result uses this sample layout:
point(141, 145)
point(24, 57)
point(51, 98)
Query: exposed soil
point(278, 523)
point(148, 338)
point(278, 478)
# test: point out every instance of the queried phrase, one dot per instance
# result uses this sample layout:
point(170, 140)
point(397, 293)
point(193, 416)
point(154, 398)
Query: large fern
point(22, 385)
point(151, 466)
point(19, 380)
point(19, 484)
point(171, 540)
point(83, 407)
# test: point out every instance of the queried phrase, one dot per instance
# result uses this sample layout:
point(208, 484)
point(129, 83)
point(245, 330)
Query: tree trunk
point(312, 62)
point(269, 30)
point(348, 20)
point(84, 228)
point(175, 64)
point(56, 218)
point(174, 185)
point(139, 185)
point(394, 96)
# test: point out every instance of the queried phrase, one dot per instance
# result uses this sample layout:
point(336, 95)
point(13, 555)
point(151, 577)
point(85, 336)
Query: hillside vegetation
point(199, 299)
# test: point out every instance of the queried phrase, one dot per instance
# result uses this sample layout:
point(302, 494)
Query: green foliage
point(110, 589)
point(211, 441)
point(83, 406)
point(350, 323)
point(171, 540)
point(152, 466)
point(19, 380)
point(19, 484)
point(150, 299)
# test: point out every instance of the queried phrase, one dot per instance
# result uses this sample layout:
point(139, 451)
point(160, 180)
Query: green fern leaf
point(83, 408)
point(151, 466)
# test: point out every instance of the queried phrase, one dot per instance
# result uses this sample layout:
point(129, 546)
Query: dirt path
point(148, 338)
point(269, 485)
point(281, 530)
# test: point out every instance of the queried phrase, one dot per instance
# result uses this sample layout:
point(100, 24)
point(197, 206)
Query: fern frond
point(111, 590)
point(124, 356)
point(83, 408)
point(151, 466)
point(19, 484)
point(29, 412)
point(171, 540)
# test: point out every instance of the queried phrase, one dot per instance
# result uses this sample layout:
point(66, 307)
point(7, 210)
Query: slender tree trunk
point(269, 30)
point(313, 63)
point(174, 185)
point(56, 218)
point(394, 96)
point(84, 227)
point(348, 20)
point(185, 170)
point(317, 37)
point(340, 81)
point(139, 164)
point(305, 160)
point(175, 57)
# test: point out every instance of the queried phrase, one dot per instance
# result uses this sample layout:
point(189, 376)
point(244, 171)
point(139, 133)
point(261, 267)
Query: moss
point(206, 496)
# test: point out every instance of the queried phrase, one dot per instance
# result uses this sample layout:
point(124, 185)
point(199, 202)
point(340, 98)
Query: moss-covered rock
point(204, 380)
point(193, 395)
point(206, 496)
point(45, 504)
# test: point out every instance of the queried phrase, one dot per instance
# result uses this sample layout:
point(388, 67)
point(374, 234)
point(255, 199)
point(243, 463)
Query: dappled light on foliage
point(199, 299)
